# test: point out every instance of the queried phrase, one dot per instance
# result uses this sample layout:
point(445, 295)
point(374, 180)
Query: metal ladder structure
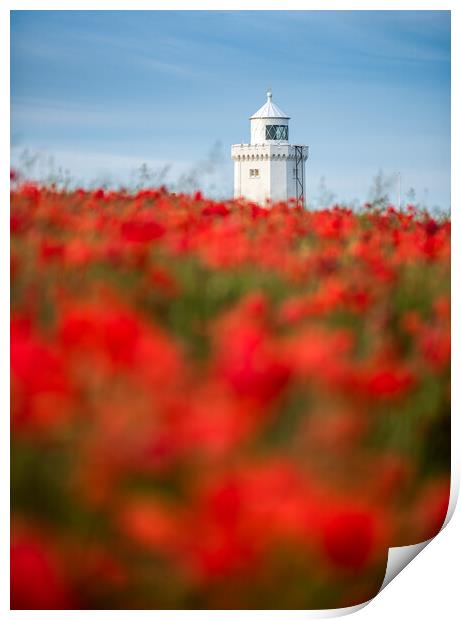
point(299, 174)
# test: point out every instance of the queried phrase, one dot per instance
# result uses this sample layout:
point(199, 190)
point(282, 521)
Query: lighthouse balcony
point(244, 152)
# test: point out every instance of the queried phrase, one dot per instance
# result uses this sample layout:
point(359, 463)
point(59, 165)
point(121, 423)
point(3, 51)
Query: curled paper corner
point(399, 557)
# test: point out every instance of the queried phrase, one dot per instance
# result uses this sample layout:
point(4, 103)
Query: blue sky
point(100, 92)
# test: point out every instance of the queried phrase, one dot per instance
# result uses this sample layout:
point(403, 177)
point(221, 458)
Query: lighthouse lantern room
point(269, 168)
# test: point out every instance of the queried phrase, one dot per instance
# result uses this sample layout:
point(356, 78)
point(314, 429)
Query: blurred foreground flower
point(217, 405)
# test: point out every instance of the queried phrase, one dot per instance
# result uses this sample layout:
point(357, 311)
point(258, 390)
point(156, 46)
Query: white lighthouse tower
point(269, 167)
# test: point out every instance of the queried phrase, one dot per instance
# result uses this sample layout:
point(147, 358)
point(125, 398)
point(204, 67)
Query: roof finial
point(269, 94)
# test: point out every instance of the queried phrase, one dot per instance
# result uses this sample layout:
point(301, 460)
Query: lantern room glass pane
point(276, 132)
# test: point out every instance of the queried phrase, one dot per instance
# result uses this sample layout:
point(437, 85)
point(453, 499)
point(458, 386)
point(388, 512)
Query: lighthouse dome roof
point(269, 109)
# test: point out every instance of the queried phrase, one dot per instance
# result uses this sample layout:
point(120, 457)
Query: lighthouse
point(269, 168)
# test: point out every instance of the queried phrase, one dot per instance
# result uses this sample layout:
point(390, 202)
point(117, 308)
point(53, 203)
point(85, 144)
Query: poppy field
point(216, 405)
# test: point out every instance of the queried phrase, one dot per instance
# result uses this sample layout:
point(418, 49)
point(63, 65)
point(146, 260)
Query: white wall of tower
point(255, 187)
point(275, 164)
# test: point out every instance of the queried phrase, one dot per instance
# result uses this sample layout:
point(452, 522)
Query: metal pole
point(304, 178)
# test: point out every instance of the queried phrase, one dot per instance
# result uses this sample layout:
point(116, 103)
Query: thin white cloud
point(41, 112)
point(135, 50)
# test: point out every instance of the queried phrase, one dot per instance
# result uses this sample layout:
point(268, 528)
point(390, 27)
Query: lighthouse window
point(254, 172)
point(276, 132)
